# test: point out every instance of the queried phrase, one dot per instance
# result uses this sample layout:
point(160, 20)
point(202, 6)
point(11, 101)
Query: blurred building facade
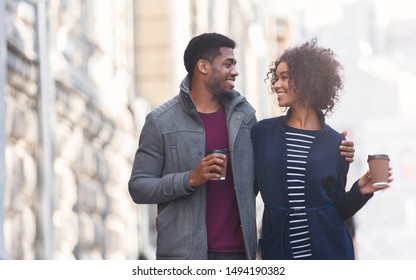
point(70, 133)
point(77, 79)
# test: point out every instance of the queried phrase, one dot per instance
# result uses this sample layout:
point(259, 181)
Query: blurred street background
point(77, 78)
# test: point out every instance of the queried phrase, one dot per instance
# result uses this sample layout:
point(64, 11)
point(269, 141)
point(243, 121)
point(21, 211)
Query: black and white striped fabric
point(298, 144)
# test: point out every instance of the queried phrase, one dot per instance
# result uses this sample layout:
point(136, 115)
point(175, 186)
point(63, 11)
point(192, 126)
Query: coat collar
point(229, 103)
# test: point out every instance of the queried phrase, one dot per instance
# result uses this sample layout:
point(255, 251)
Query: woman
point(299, 170)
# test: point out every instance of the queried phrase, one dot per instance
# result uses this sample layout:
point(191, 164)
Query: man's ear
point(202, 66)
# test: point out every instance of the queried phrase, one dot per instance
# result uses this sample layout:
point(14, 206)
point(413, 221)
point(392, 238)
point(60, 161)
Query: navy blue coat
point(328, 204)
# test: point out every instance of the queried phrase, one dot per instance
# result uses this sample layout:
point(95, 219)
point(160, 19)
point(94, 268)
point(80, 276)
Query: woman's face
point(285, 93)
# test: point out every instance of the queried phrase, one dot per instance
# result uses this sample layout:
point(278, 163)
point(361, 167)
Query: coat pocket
point(174, 227)
point(330, 238)
point(271, 247)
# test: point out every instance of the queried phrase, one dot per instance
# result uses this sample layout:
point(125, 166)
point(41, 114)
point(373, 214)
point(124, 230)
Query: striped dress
point(298, 144)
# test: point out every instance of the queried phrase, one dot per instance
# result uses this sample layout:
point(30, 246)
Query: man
point(201, 218)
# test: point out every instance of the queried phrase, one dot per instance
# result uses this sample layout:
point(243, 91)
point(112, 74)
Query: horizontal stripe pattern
point(298, 145)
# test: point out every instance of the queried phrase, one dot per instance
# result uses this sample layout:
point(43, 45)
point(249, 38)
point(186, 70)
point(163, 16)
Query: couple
point(297, 162)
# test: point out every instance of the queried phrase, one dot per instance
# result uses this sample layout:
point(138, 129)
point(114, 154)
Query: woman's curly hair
point(314, 73)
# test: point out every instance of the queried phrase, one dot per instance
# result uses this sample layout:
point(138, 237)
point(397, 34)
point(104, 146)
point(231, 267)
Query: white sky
point(317, 11)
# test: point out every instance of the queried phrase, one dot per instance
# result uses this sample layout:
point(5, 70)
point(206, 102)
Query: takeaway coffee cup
point(379, 170)
point(224, 169)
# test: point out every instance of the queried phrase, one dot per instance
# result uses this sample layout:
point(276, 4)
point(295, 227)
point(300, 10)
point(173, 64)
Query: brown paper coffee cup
point(379, 169)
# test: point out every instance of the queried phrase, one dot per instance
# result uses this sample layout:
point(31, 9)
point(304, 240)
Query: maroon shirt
point(222, 216)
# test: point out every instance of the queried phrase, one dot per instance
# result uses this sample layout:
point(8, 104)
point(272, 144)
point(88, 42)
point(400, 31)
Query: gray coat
point(171, 144)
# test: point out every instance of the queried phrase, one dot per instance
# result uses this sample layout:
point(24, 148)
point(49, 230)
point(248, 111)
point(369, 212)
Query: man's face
point(222, 73)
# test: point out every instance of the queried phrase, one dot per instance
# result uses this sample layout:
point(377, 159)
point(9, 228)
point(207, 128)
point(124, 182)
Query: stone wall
point(93, 133)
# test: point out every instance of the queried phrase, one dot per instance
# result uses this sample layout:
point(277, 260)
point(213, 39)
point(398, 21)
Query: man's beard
point(218, 91)
point(224, 95)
